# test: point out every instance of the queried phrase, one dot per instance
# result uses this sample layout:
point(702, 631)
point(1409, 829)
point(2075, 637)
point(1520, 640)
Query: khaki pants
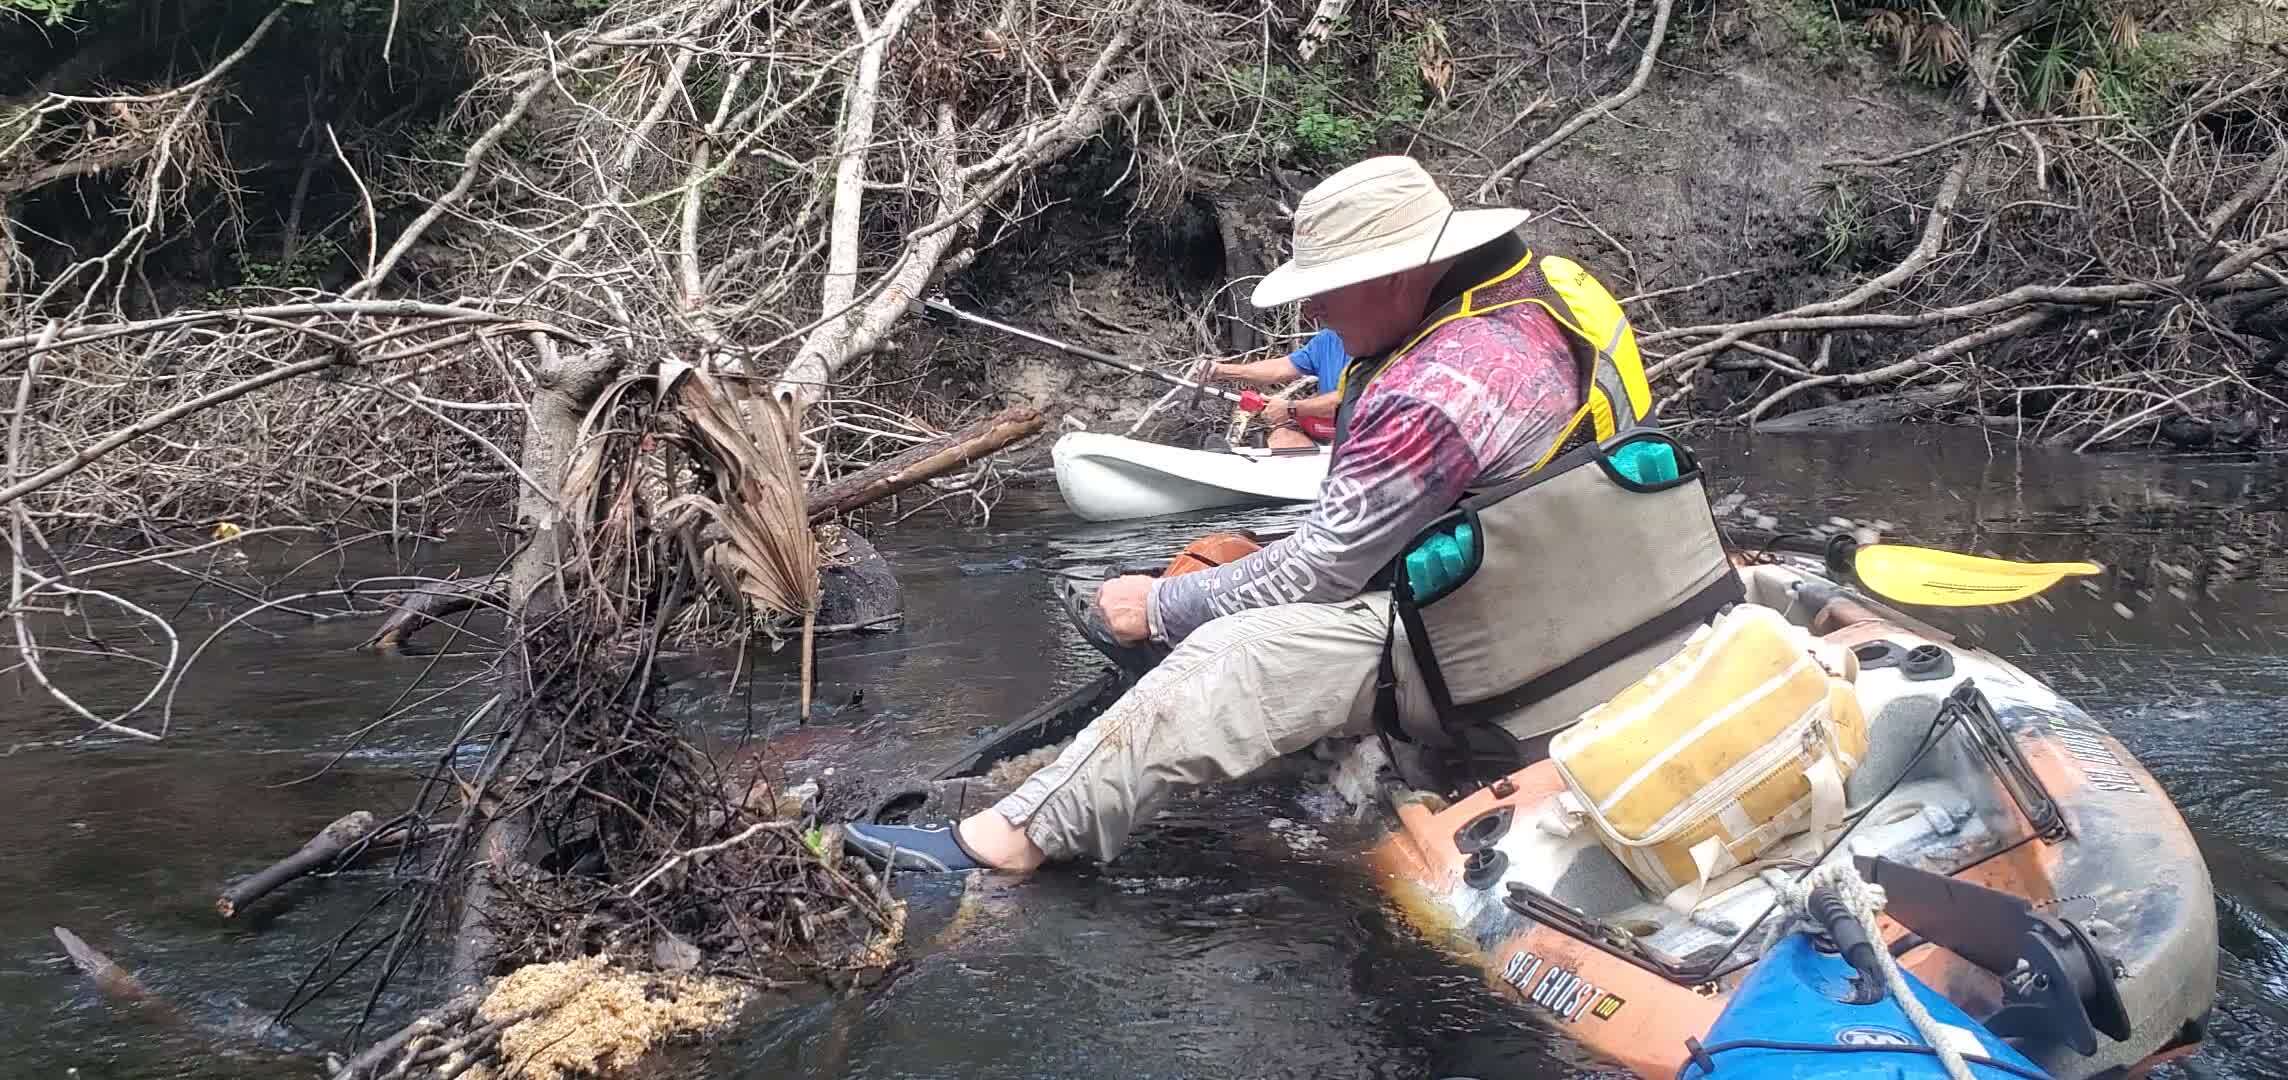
point(1238, 693)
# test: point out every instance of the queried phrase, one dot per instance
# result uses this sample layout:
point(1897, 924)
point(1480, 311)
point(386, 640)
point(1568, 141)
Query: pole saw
point(1247, 400)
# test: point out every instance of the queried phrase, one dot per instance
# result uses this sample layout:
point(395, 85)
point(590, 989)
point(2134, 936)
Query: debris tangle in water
point(607, 1019)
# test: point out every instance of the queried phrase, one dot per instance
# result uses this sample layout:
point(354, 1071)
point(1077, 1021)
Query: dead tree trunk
point(924, 461)
point(564, 388)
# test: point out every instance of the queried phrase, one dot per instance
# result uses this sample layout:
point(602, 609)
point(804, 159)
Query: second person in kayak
point(1467, 393)
point(1322, 358)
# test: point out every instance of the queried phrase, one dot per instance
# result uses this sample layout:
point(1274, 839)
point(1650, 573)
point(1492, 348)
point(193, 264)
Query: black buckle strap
point(1386, 725)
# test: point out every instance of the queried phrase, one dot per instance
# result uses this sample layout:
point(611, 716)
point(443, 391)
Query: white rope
point(1865, 901)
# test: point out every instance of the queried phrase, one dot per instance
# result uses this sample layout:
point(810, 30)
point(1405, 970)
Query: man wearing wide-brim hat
point(1274, 651)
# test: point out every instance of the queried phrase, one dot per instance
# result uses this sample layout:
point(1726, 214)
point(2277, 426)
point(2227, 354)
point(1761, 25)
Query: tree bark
point(1240, 260)
point(563, 389)
point(831, 344)
point(926, 460)
point(321, 850)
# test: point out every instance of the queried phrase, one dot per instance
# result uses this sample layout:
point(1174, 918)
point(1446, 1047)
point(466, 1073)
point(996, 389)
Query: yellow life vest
point(1603, 343)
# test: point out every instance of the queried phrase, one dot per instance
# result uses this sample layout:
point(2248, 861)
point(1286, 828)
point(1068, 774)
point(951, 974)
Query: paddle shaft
point(1248, 399)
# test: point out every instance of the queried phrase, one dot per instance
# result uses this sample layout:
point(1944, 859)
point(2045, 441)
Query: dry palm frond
point(768, 554)
point(2125, 35)
point(584, 474)
point(733, 479)
point(2088, 92)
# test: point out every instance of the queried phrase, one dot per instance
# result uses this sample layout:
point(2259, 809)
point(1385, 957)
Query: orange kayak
point(1976, 773)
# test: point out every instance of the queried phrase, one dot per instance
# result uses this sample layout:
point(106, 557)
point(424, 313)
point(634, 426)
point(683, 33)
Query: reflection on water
point(1212, 948)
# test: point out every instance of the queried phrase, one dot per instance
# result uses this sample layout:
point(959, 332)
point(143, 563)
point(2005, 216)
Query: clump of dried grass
point(587, 1018)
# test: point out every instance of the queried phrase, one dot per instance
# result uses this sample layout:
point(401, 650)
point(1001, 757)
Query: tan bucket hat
point(1375, 218)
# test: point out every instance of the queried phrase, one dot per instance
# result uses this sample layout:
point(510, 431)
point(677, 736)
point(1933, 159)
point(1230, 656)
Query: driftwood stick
point(442, 1018)
point(320, 851)
point(924, 461)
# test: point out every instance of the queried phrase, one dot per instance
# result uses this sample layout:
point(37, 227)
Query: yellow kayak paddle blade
point(1913, 575)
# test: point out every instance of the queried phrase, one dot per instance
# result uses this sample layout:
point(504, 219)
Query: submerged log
point(115, 981)
point(925, 461)
point(230, 1023)
point(321, 850)
point(432, 602)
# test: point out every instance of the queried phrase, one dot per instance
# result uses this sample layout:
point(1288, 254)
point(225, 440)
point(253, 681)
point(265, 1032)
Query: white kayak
point(1113, 478)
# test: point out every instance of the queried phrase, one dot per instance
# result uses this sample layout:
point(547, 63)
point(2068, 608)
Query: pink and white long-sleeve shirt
point(1479, 398)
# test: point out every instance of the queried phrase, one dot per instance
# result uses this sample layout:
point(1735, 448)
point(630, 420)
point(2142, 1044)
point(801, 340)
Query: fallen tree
point(620, 302)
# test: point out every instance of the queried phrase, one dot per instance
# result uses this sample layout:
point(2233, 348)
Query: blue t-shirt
point(1322, 356)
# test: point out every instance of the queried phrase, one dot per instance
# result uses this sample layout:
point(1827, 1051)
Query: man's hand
point(1125, 601)
point(1278, 413)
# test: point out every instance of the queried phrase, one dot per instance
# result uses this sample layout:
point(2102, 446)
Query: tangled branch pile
point(754, 188)
point(757, 187)
point(594, 825)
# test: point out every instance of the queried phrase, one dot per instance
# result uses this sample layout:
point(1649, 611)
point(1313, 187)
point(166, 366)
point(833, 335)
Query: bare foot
point(992, 840)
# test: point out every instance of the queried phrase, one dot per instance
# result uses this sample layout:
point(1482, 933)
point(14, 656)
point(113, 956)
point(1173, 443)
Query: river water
point(1226, 942)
